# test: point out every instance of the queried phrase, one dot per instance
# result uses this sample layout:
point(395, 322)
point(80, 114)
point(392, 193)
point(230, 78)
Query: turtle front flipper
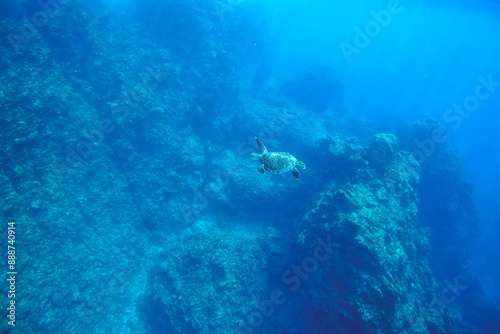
point(296, 173)
point(262, 148)
point(261, 169)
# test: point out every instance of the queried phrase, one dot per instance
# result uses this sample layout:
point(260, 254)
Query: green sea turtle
point(276, 162)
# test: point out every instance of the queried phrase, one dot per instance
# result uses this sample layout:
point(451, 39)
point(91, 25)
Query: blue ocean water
point(136, 197)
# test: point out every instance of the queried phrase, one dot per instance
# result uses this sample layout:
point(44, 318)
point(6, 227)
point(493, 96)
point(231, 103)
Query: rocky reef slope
point(125, 163)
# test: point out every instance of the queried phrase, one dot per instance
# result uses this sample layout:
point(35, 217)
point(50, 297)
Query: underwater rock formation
point(445, 196)
point(372, 277)
point(447, 208)
point(212, 279)
point(378, 279)
point(382, 149)
point(117, 134)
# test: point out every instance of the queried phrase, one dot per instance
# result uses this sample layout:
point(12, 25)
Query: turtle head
point(256, 156)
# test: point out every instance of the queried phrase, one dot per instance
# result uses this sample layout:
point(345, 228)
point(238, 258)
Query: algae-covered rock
point(340, 147)
point(211, 280)
point(378, 280)
point(382, 149)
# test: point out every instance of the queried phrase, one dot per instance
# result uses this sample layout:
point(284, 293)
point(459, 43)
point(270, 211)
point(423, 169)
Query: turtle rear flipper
point(301, 164)
point(296, 173)
point(261, 169)
point(262, 147)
